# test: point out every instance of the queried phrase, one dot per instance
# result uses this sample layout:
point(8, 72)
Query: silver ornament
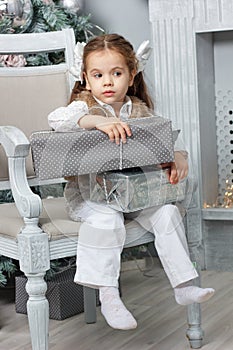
point(19, 11)
point(72, 5)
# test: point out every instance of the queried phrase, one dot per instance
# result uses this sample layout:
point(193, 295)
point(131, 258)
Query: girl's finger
point(127, 129)
point(122, 133)
point(111, 135)
point(174, 175)
point(116, 135)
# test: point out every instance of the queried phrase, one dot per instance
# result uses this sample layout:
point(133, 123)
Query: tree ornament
point(72, 5)
point(19, 12)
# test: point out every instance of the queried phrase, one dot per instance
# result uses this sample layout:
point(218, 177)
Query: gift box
point(135, 189)
point(65, 297)
point(57, 154)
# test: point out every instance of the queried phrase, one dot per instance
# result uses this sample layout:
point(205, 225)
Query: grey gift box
point(135, 189)
point(57, 154)
point(65, 297)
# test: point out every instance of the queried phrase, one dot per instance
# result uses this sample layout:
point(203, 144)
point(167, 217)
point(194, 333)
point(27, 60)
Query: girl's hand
point(173, 174)
point(178, 170)
point(115, 129)
point(181, 165)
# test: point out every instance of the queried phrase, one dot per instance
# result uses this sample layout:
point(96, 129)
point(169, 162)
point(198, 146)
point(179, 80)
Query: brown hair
point(121, 45)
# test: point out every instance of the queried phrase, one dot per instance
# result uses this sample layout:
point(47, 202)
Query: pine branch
point(38, 60)
point(3, 279)
point(5, 25)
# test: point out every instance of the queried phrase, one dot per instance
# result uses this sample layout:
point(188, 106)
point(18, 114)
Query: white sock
point(114, 311)
point(186, 294)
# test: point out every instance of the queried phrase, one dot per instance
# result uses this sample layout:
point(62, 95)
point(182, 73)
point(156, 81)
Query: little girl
point(110, 89)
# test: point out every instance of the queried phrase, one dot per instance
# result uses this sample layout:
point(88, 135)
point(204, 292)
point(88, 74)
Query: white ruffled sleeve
point(65, 119)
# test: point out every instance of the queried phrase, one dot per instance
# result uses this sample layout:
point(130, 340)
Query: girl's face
point(107, 77)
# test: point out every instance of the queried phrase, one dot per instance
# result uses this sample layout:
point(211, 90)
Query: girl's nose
point(108, 81)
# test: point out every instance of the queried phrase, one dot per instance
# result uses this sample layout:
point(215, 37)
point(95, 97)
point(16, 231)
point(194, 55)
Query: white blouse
point(65, 119)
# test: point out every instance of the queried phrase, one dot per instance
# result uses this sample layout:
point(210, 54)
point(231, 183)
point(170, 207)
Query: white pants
point(102, 236)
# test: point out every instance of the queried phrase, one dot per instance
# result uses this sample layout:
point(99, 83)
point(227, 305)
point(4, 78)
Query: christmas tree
point(28, 16)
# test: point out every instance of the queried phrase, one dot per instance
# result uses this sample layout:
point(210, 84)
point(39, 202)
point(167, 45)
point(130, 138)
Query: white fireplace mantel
point(183, 37)
point(207, 15)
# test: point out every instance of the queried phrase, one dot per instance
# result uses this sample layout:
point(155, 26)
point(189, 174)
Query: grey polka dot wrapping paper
point(59, 154)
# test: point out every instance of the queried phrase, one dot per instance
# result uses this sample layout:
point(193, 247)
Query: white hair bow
point(77, 69)
point(143, 54)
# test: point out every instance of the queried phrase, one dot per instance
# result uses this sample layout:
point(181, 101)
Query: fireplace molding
point(182, 37)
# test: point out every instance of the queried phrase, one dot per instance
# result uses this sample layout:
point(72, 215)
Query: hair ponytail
point(139, 89)
point(78, 87)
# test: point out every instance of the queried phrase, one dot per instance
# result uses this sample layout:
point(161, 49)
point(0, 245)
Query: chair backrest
point(29, 94)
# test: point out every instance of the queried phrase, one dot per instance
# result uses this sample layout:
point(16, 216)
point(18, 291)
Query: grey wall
point(129, 18)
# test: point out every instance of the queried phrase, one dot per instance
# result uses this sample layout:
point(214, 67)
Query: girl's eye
point(97, 75)
point(117, 74)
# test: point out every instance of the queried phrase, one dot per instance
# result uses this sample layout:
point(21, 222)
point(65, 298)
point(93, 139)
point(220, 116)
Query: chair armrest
point(17, 146)
point(14, 142)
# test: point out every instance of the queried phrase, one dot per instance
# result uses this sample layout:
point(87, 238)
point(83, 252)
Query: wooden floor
point(161, 322)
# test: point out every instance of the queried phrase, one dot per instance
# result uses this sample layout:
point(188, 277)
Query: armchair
point(32, 230)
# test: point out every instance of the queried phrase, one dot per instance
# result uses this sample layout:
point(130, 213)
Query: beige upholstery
point(30, 98)
point(56, 223)
point(53, 220)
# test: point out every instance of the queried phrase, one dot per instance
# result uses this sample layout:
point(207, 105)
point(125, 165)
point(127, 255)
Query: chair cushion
point(10, 221)
point(56, 223)
point(53, 220)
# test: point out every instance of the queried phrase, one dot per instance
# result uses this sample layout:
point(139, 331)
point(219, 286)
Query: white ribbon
point(143, 54)
point(77, 69)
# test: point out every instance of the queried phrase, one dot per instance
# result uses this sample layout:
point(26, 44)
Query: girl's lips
point(109, 93)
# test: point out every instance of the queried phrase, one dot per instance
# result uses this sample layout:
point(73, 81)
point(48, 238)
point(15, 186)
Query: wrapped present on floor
point(135, 189)
point(65, 297)
point(57, 154)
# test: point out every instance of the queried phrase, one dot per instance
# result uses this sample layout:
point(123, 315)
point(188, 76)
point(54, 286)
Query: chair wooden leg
point(34, 262)
point(194, 332)
point(89, 304)
point(38, 311)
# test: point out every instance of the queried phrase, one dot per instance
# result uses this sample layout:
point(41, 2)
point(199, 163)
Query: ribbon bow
point(77, 69)
point(143, 54)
